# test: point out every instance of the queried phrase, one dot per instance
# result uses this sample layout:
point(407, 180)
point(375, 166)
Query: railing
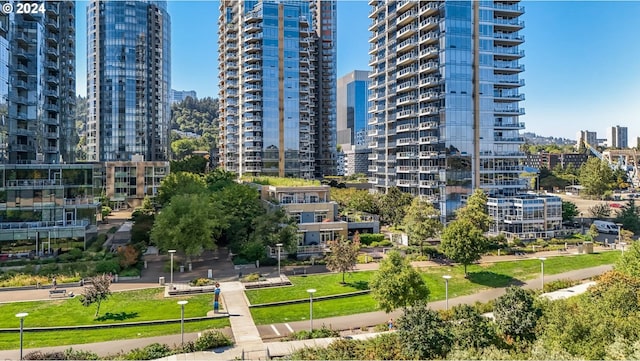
point(33, 182)
point(30, 225)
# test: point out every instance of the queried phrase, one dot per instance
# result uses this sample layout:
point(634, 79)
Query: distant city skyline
point(577, 76)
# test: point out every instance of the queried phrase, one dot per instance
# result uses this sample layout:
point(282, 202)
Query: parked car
point(606, 227)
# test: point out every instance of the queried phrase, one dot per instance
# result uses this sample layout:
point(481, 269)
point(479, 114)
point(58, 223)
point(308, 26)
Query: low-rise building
point(42, 203)
point(525, 216)
point(126, 183)
point(316, 215)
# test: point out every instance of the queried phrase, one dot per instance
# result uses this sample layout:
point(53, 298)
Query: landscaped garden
point(120, 307)
point(481, 276)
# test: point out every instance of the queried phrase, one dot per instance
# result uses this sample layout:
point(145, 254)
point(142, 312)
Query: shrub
point(253, 277)
point(269, 262)
point(150, 352)
point(558, 285)
point(108, 266)
point(72, 354)
point(212, 339)
point(383, 243)
point(130, 272)
point(39, 355)
point(202, 282)
point(368, 238)
point(322, 332)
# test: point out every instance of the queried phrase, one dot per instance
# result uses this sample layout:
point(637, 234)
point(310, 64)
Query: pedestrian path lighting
point(279, 245)
point(446, 289)
point(171, 252)
point(311, 292)
point(542, 259)
point(182, 303)
point(619, 232)
point(21, 316)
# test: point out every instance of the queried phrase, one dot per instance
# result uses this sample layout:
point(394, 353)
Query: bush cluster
point(322, 332)
point(368, 238)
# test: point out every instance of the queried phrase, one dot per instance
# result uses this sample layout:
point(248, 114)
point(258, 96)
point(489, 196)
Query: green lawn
point(481, 277)
point(130, 306)
point(11, 341)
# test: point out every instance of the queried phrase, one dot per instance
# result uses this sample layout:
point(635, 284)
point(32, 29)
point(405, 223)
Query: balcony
point(406, 155)
point(406, 31)
point(502, 125)
point(508, 67)
point(407, 85)
point(509, 81)
point(508, 23)
point(406, 141)
point(406, 58)
point(508, 52)
point(428, 125)
point(252, 27)
point(428, 155)
point(428, 23)
point(406, 100)
point(509, 111)
point(404, 5)
point(373, 144)
point(372, 132)
point(429, 8)
point(405, 113)
point(428, 96)
point(507, 9)
point(430, 37)
point(406, 169)
point(428, 140)
point(406, 183)
point(429, 110)
point(373, 156)
point(508, 38)
point(428, 184)
point(407, 44)
point(429, 169)
point(406, 17)
point(429, 52)
point(508, 97)
point(405, 128)
point(508, 139)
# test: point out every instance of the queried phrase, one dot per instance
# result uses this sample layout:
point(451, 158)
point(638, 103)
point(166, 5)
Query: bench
point(57, 293)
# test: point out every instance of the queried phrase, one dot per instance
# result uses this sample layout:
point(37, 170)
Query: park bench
point(57, 293)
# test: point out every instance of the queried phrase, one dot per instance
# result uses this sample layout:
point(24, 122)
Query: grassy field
point(481, 277)
point(11, 341)
point(130, 306)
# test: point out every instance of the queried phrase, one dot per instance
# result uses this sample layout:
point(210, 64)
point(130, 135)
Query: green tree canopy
point(629, 262)
point(426, 336)
point(463, 242)
point(190, 224)
point(179, 183)
point(393, 206)
point(343, 256)
point(516, 314)
point(191, 164)
point(475, 211)
point(470, 329)
point(596, 177)
point(241, 205)
point(421, 222)
point(397, 284)
point(569, 211)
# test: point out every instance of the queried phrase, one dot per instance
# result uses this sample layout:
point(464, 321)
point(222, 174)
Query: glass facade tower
point(128, 80)
point(445, 98)
point(37, 85)
point(269, 85)
point(352, 108)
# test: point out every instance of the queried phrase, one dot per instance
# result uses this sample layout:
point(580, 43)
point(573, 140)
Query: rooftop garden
point(281, 182)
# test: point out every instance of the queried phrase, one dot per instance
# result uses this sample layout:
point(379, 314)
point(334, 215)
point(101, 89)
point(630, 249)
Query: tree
point(516, 314)
point(190, 224)
point(470, 329)
point(421, 222)
point(185, 147)
point(343, 256)
point(397, 284)
point(476, 211)
point(569, 211)
point(270, 228)
point(596, 177)
point(191, 164)
point(629, 216)
point(462, 242)
point(426, 336)
point(393, 206)
point(179, 183)
point(241, 205)
point(629, 262)
point(96, 291)
point(128, 256)
point(593, 232)
point(600, 211)
point(219, 179)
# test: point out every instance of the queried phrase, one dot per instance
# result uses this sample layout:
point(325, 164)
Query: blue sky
point(581, 59)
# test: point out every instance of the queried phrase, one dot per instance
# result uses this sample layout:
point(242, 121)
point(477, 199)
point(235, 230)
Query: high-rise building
point(445, 93)
point(128, 80)
point(37, 85)
point(590, 138)
point(617, 137)
point(277, 87)
point(180, 95)
point(352, 108)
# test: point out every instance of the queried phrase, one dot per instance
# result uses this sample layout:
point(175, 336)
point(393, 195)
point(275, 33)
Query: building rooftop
point(281, 182)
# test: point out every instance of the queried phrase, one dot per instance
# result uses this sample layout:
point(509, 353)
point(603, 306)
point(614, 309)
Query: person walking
point(390, 324)
point(54, 283)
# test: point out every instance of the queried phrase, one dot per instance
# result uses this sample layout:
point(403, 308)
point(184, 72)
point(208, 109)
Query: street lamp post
point(182, 303)
point(21, 316)
point(542, 259)
point(446, 289)
point(171, 252)
point(279, 245)
point(581, 224)
point(619, 232)
point(622, 244)
point(311, 292)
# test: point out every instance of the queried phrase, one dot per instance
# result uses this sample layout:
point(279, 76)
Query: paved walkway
point(248, 337)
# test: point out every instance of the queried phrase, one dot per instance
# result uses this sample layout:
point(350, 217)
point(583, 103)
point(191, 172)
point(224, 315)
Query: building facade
point(445, 93)
point(37, 85)
point(552, 160)
point(618, 137)
point(48, 201)
point(277, 87)
point(352, 108)
point(590, 138)
point(180, 95)
point(128, 80)
point(525, 216)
